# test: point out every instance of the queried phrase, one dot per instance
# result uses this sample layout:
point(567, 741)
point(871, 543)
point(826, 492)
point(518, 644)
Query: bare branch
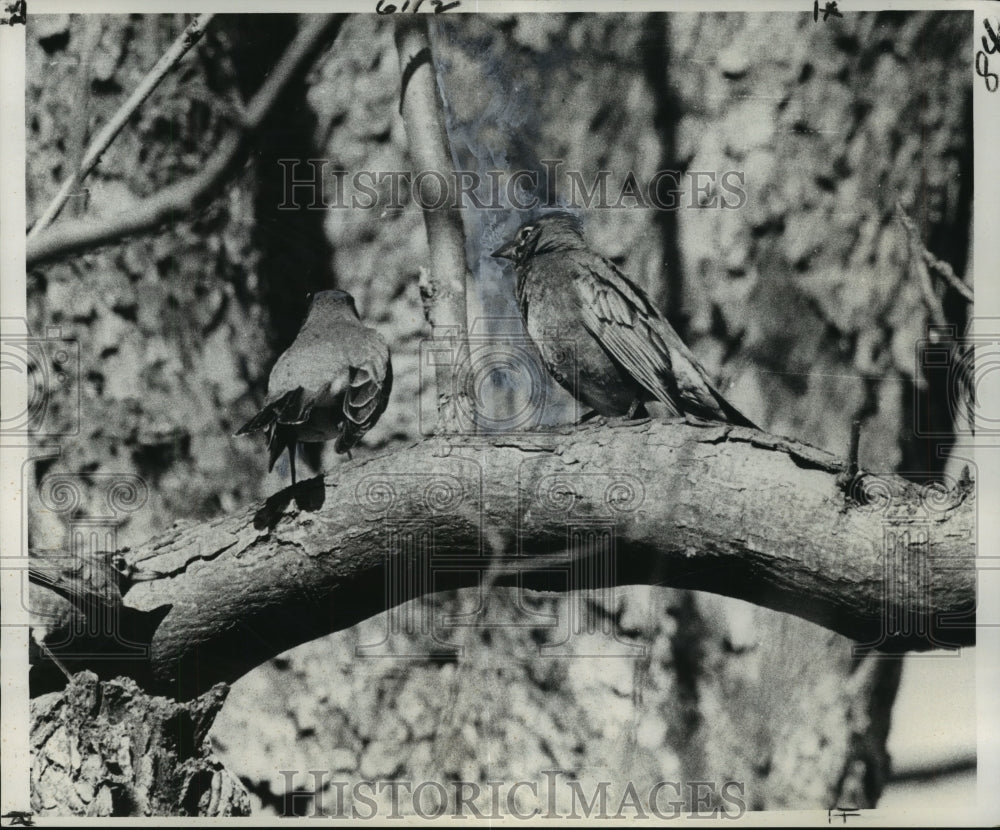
point(180, 199)
point(945, 270)
point(188, 38)
point(923, 260)
point(713, 507)
point(79, 125)
point(443, 287)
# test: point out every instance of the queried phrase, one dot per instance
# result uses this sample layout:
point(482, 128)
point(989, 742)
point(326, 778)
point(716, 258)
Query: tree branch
point(443, 287)
point(715, 508)
point(926, 260)
point(180, 199)
point(188, 38)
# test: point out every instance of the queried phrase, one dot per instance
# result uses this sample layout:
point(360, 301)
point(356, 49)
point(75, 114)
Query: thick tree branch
point(712, 507)
point(443, 286)
point(178, 200)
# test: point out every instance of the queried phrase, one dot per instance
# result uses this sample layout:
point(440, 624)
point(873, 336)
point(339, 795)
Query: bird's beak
point(505, 251)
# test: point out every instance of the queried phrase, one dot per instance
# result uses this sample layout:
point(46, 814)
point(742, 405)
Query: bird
point(333, 382)
point(598, 333)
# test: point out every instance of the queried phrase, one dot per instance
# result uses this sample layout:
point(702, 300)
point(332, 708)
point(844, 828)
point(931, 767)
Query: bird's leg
point(633, 408)
point(349, 456)
point(291, 459)
point(588, 417)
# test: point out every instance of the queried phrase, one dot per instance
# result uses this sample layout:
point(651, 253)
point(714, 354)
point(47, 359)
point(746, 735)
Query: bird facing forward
point(621, 351)
point(333, 382)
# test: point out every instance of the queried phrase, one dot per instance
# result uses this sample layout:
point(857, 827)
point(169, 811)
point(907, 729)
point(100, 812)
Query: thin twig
point(946, 271)
point(931, 300)
point(922, 260)
point(188, 38)
point(847, 478)
point(443, 286)
point(179, 199)
point(76, 140)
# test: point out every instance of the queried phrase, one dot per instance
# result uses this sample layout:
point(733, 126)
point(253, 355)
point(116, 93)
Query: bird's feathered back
point(332, 382)
point(617, 313)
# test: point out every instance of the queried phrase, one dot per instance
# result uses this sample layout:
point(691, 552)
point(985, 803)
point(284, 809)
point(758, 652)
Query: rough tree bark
point(108, 749)
point(715, 508)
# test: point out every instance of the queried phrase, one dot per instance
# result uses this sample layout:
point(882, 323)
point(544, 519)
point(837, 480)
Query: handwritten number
point(990, 47)
point(829, 10)
point(993, 44)
point(382, 7)
point(983, 70)
point(842, 813)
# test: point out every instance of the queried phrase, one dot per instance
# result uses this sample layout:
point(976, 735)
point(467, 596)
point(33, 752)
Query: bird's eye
point(526, 232)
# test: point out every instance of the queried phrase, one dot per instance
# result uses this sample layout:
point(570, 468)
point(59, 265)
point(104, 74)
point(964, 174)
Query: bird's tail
point(44, 567)
point(279, 418)
point(290, 408)
point(279, 439)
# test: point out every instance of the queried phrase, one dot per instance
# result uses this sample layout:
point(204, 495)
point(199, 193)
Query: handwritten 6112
point(437, 5)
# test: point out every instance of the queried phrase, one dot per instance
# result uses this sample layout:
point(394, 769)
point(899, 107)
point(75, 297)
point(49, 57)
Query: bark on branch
point(443, 287)
point(712, 507)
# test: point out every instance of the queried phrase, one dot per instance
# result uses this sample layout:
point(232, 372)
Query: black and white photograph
point(481, 412)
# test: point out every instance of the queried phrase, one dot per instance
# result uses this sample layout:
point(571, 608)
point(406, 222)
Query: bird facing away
point(333, 382)
point(598, 333)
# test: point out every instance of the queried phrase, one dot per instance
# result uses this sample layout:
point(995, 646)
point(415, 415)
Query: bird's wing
point(634, 333)
point(618, 316)
point(262, 420)
point(291, 407)
point(367, 395)
point(312, 372)
point(294, 407)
